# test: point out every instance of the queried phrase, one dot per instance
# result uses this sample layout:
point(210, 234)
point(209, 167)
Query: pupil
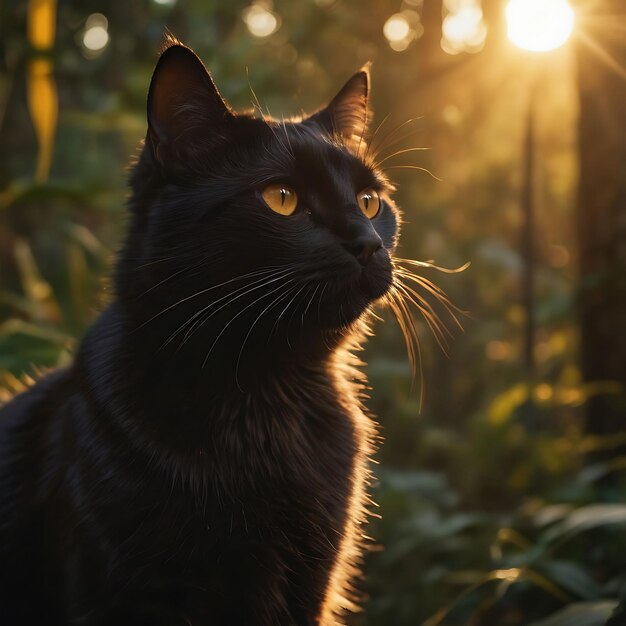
point(283, 195)
point(366, 199)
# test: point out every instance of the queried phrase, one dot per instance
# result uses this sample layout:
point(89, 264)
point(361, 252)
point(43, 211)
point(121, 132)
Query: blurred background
point(501, 498)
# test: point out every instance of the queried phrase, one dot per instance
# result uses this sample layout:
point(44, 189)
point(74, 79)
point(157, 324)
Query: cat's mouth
point(350, 293)
point(377, 276)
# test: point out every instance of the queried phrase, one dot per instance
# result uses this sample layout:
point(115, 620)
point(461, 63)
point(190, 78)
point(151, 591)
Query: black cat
point(204, 460)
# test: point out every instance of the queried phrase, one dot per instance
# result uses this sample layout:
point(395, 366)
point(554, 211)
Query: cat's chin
point(353, 299)
point(376, 278)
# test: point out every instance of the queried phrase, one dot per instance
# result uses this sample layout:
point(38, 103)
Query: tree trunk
point(602, 215)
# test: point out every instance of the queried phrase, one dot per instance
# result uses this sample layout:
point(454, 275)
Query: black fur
point(204, 460)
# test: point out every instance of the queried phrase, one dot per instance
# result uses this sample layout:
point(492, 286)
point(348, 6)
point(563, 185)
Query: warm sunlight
point(311, 312)
point(539, 25)
point(396, 27)
point(463, 27)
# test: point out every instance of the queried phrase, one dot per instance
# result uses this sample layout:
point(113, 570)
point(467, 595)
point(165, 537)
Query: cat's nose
point(364, 246)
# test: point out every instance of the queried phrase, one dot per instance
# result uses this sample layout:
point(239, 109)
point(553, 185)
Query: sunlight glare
point(402, 29)
point(463, 28)
point(261, 22)
point(539, 25)
point(396, 28)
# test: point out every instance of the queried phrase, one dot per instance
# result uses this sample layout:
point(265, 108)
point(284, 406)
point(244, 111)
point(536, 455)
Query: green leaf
point(17, 326)
point(572, 578)
point(581, 614)
point(586, 518)
point(413, 481)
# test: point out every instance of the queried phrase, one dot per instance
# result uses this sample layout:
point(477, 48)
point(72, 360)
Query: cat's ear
point(184, 105)
point(348, 112)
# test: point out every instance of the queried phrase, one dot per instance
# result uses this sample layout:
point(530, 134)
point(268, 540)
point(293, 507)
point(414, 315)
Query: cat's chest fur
point(280, 429)
point(276, 459)
point(177, 499)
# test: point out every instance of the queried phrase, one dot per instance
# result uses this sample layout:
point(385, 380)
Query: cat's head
point(247, 224)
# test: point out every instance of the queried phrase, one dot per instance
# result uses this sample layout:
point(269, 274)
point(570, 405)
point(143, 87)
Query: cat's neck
point(204, 370)
point(168, 409)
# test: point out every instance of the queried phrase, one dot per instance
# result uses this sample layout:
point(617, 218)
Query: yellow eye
point(369, 201)
point(280, 198)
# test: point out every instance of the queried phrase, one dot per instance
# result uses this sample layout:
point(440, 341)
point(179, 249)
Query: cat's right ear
point(184, 107)
point(348, 113)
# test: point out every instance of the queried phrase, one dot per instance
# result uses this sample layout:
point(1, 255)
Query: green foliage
point(462, 566)
point(580, 614)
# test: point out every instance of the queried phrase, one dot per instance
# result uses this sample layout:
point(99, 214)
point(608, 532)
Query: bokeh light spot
point(464, 29)
point(498, 350)
point(260, 20)
point(396, 28)
point(95, 38)
point(96, 19)
point(543, 392)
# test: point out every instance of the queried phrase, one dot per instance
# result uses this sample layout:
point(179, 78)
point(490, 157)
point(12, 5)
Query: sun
point(539, 25)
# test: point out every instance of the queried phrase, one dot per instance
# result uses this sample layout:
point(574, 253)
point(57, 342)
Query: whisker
point(291, 316)
point(431, 265)
point(437, 328)
point(449, 307)
point(247, 289)
point(255, 103)
point(418, 348)
point(288, 140)
point(424, 282)
point(271, 123)
point(283, 312)
point(390, 144)
point(319, 314)
point(267, 308)
point(177, 273)
point(402, 295)
point(412, 167)
point(391, 138)
point(437, 293)
point(198, 293)
point(264, 278)
point(304, 295)
point(373, 136)
point(399, 152)
point(427, 309)
point(319, 304)
point(409, 329)
point(309, 304)
point(159, 260)
point(411, 339)
point(206, 358)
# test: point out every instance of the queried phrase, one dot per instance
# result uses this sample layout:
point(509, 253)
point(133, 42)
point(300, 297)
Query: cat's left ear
point(185, 109)
point(348, 112)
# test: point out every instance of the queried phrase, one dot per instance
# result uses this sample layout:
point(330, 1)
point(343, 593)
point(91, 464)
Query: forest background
point(502, 496)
